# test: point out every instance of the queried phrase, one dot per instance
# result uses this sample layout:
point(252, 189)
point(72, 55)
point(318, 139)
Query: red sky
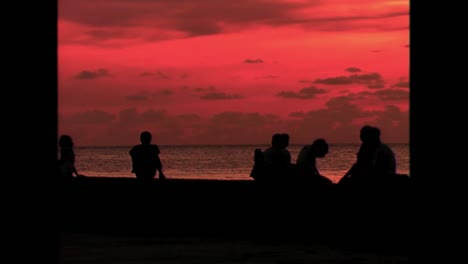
point(211, 71)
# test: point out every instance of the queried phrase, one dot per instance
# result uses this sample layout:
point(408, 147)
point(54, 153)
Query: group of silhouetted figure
point(375, 162)
point(274, 164)
point(145, 159)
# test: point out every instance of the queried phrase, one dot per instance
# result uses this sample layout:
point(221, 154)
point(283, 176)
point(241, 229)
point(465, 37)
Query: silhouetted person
point(374, 158)
point(145, 159)
point(284, 143)
point(306, 161)
point(277, 159)
point(272, 153)
point(66, 162)
point(258, 171)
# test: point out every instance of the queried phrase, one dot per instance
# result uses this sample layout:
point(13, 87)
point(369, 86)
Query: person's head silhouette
point(276, 140)
point(145, 138)
point(370, 134)
point(374, 136)
point(284, 140)
point(320, 147)
point(65, 141)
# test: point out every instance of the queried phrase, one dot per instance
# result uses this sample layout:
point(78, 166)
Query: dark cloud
point(376, 85)
point(353, 69)
point(339, 101)
point(253, 61)
point(342, 106)
point(179, 19)
point(341, 80)
point(335, 122)
point(200, 27)
point(393, 123)
point(402, 84)
point(297, 114)
point(126, 129)
point(339, 122)
point(92, 117)
point(239, 128)
point(106, 34)
point(86, 75)
point(203, 90)
point(364, 78)
point(406, 46)
point(164, 92)
point(392, 95)
point(148, 95)
point(147, 74)
point(246, 119)
point(129, 116)
point(155, 75)
point(387, 94)
point(220, 96)
point(305, 81)
point(137, 97)
point(195, 17)
point(365, 93)
point(268, 77)
point(384, 95)
point(304, 93)
point(376, 51)
point(211, 93)
point(150, 116)
point(161, 75)
point(367, 78)
point(345, 23)
point(189, 117)
point(361, 95)
point(132, 116)
point(357, 17)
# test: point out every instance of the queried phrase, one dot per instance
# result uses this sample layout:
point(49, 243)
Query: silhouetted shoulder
point(385, 148)
point(144, 148)
point(155, 148)
point(133, 149)
point(303, 155)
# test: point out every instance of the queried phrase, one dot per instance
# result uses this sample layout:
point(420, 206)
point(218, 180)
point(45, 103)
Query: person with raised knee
point(145, 159)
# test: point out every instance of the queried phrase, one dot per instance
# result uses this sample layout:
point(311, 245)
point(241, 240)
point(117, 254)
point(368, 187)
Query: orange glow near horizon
point(208, 72)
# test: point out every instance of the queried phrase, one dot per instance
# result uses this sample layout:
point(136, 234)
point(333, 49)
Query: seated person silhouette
point(284, 143)
point(145, 159)
point(66, 162)
point(375, 160)
point(306, 162)
point(277, 159)
point(258, 171)
point(289, 170)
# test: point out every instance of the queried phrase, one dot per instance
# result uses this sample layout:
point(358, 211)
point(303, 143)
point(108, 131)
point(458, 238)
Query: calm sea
point(228, 162)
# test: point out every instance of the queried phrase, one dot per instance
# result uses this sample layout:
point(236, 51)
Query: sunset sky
point(218, 71)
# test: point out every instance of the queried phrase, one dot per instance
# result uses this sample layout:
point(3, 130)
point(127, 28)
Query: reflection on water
point(216, 162)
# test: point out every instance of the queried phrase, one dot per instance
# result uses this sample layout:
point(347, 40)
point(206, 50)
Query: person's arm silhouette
point(159, 165)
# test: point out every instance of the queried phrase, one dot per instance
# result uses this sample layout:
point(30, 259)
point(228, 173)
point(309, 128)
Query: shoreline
point(245, 177)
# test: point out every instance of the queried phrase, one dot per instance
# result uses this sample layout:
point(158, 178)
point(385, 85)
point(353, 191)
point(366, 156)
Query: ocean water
point(227, 162)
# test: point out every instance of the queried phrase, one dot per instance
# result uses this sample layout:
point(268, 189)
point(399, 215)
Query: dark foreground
point(238, 220)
